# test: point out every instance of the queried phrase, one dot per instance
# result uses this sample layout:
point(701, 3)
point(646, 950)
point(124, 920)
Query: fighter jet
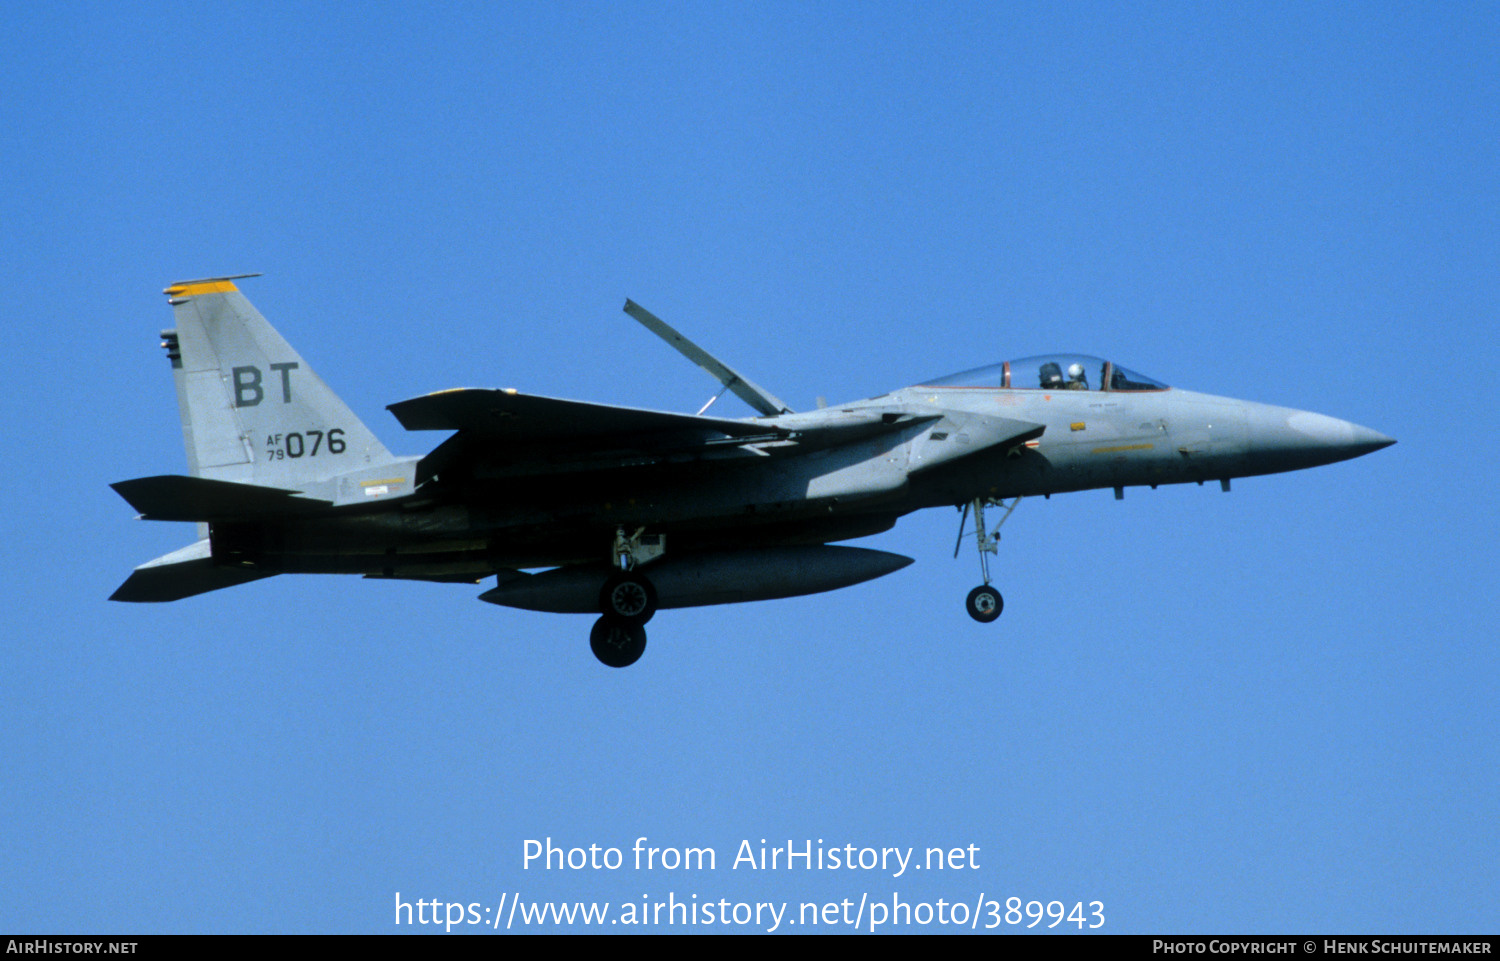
point(575, 507)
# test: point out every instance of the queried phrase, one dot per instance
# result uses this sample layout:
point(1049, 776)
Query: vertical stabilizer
point(253, 411)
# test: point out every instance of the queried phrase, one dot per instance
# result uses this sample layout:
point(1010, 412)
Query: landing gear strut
point(984, 603)
point(627, 600)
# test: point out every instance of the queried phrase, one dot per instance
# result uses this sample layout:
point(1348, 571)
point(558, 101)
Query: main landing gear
point(627, 601)
point(984, 603)
point(617, 644)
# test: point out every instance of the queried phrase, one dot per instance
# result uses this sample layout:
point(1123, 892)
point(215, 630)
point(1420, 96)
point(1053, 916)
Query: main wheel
point(984, 604)
point(617, 644)
point(627, 597)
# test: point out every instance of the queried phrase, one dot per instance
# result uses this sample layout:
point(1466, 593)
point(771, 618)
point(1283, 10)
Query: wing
point(544, 434)
point(508, 415)
point(507, 433)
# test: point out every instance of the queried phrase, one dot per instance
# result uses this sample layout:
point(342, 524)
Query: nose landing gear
point(984, 603)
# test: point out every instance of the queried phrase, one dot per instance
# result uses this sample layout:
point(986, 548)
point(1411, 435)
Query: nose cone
point(1337, 437)
point(1279, 439)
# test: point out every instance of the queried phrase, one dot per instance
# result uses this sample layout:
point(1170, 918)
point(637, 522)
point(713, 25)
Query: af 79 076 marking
point(304, 443)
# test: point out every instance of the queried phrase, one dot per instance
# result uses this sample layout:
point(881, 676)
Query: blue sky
point(1266, 711)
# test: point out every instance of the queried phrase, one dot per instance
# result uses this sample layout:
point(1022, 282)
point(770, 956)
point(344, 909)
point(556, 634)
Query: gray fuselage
point(542, 515)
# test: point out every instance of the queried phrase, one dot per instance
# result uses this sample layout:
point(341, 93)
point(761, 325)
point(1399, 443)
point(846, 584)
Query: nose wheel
point(984, 603)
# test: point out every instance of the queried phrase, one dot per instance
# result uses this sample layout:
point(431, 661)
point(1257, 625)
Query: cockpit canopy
point(1050, 372)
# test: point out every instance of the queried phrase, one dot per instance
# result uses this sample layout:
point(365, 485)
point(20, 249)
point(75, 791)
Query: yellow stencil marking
point(1122, 448)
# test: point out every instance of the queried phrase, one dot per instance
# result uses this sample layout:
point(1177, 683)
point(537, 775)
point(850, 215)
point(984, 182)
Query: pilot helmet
point(1075, 371)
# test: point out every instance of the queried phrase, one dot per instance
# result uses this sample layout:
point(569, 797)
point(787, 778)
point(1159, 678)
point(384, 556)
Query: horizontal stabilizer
point(173, 497)
point(180, 574)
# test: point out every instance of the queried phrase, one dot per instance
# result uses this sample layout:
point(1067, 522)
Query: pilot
point(1076, 378)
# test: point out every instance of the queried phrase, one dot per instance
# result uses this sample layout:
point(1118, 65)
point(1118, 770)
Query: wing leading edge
point(511, 415)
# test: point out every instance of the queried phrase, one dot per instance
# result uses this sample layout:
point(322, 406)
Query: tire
point(628, 598)
point(617, 644)
point(984, 604)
